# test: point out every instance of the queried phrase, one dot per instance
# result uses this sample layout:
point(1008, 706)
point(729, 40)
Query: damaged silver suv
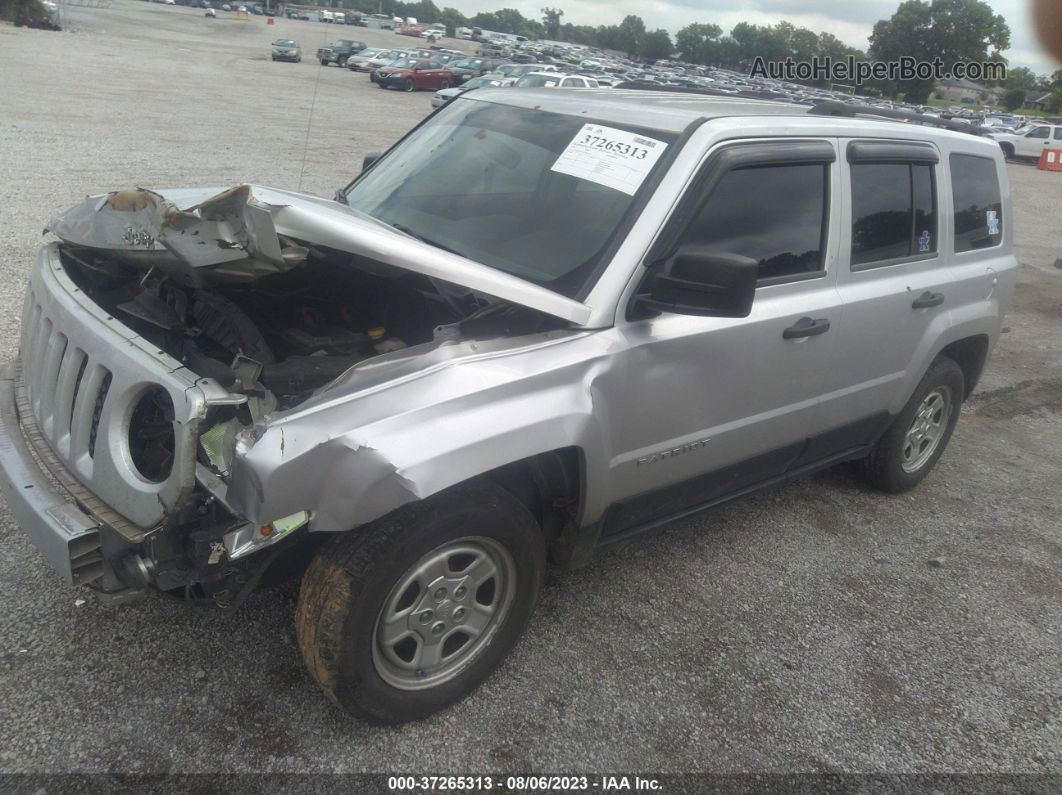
point(540, 324)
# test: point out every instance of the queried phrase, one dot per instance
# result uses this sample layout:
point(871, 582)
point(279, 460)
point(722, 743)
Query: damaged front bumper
point(208, 556)
point(68, 537)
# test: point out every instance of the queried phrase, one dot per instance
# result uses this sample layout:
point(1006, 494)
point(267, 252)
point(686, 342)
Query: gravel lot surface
point(820, 627)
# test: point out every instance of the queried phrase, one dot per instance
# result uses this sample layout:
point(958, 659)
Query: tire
point(901, 458)
point(359, 578)
point(380, 85)
point(341, 62)
point(407, 86)
point(1008, 150)
point(323, 62)
point(445, 84)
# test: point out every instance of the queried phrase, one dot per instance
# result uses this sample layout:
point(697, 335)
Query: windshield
point(533, 81)
point(480, 82)
point(478, 180)
point(468, 63)
point(284, 43)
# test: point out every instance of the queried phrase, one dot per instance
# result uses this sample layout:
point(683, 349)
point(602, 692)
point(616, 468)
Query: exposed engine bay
point(286, 334)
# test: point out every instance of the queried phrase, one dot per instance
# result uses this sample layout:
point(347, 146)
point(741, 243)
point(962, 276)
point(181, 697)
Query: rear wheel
point(1008, 150)
point(445, 84)
point(401, 618)
point(341, 61)
point(917, 437)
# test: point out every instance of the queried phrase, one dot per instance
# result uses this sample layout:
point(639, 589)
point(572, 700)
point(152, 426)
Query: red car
point(409, 75)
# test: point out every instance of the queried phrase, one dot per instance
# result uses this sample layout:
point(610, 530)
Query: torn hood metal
point(205, 236)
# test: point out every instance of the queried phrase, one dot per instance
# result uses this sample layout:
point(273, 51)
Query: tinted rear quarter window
point(976, 199)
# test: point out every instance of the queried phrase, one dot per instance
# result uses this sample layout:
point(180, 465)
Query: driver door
point(709, 406)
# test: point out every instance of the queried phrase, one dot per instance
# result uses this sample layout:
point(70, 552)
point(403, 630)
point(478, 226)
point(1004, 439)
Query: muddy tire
point(914, 442)
point(403, 617)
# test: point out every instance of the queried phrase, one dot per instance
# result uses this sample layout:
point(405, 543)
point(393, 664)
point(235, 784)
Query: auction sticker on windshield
point(614, 158)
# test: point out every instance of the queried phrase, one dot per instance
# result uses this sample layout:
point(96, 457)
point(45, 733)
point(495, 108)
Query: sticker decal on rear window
point(614, 158)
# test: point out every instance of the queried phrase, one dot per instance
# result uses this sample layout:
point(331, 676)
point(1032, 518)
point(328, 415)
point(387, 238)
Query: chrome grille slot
point(71, 372)
point(97, 411)
point(52, 360)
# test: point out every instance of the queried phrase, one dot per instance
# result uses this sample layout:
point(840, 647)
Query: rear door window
point(976, 199)
point(893, 212)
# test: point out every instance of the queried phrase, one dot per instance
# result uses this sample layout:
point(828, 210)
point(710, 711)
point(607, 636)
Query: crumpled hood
point(202, 236)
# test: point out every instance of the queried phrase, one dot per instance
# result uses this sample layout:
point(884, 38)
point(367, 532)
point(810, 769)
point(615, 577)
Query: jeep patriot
point(541, 323)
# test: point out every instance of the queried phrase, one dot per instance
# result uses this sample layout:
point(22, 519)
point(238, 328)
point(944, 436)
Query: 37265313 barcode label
point(611, 157)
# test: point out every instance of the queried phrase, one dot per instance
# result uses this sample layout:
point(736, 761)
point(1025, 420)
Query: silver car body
point(644, 404)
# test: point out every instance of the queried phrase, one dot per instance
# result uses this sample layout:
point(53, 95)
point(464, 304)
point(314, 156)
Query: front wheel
point(917, 437)
point(1008, 150)
point(401, 618)
point(445, 84)
point(323, 62)
point(408, 85)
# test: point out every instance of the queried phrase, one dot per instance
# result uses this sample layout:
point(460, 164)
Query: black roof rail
point(832, 107)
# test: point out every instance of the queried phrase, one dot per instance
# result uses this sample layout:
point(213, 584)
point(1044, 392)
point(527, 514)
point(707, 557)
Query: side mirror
point(696, 281)
point(369, 159)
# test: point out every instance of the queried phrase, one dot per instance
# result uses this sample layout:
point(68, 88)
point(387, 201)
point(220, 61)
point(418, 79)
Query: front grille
point(83, 375)
point(65, 403)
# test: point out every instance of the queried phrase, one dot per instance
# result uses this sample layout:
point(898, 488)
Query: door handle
point(806, 327)
point(928, 299)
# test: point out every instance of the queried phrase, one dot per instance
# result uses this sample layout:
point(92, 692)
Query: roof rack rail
point(832, 107)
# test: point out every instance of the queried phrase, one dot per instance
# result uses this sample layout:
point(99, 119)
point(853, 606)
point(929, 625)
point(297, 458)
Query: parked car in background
point(391, 57)
point(1029, 141)
point(467, 68)
point(511, 72)
point(287, 50)
point(359, 62)
point(413, 75)
point(554, 80)
point(444, 95)
point(339, 51)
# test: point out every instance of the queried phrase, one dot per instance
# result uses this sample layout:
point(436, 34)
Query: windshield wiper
point(407, 231)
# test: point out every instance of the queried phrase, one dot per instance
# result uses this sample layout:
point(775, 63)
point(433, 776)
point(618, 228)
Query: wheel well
point(969, 354)
point(549, 484)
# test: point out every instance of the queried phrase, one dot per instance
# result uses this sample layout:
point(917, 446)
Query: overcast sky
point(849, 21)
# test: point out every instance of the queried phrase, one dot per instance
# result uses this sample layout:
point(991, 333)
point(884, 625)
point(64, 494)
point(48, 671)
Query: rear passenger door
point(894, 281)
